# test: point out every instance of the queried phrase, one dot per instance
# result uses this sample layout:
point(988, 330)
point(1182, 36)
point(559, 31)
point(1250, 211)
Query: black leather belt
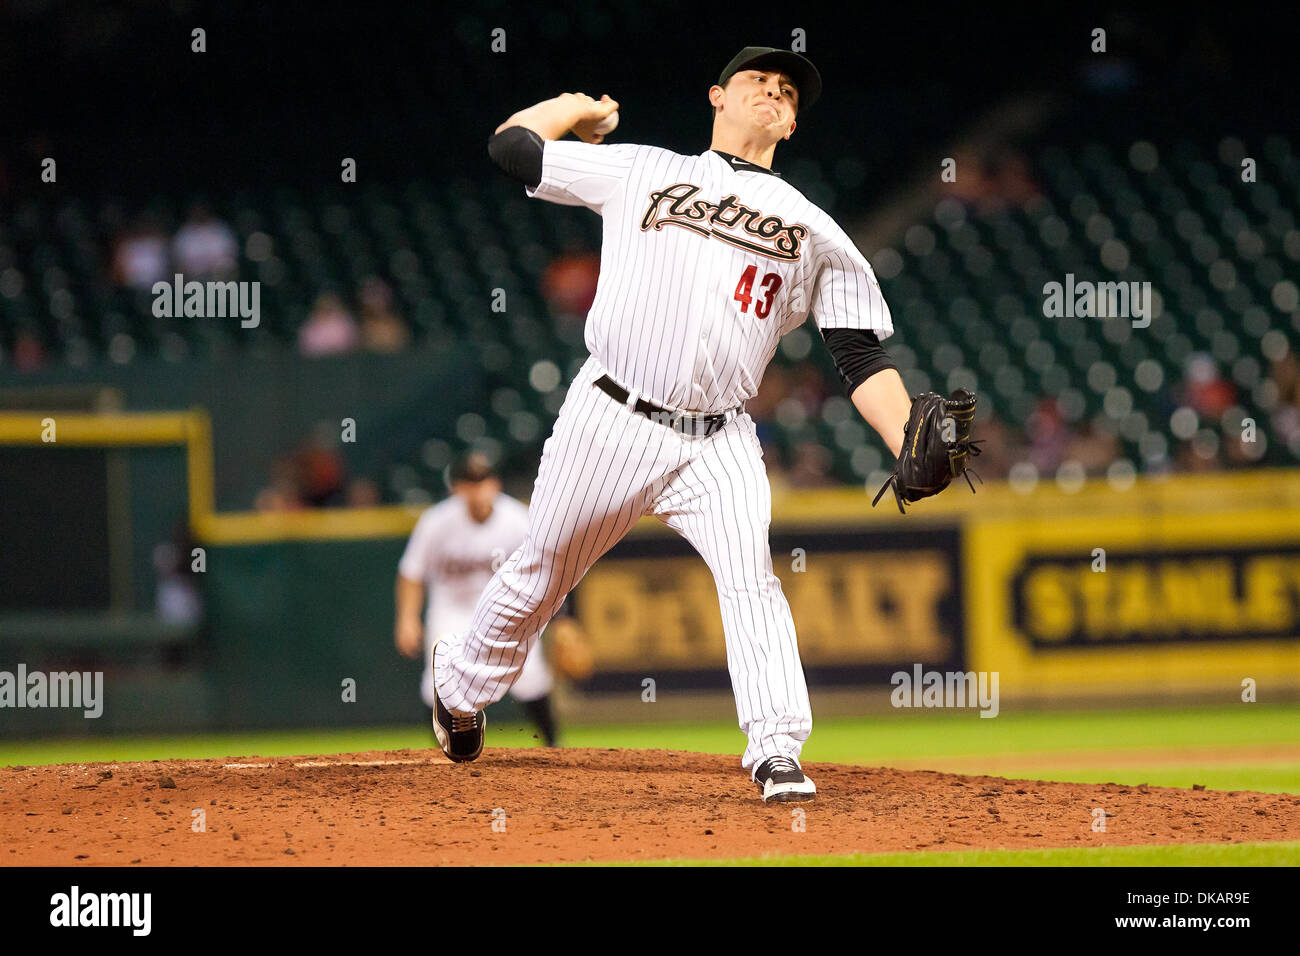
point(698, 426)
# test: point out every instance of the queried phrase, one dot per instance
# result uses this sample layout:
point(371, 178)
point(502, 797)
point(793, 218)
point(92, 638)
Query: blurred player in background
point(455, 547)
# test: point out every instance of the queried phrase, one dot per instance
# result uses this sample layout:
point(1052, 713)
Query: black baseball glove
point(936, 444)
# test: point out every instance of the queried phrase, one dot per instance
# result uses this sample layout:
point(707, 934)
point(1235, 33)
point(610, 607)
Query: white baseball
point(607, 125)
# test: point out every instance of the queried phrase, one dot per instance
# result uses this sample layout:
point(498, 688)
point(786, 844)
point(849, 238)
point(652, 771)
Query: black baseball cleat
point(782, 781)
point(461, 738)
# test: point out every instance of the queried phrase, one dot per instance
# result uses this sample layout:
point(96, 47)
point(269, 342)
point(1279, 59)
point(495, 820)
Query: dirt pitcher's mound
point(535, 806)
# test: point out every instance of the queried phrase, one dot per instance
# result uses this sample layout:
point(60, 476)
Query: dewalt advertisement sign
point(865, 604)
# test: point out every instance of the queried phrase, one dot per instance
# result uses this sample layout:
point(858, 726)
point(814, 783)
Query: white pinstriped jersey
point(704, 267)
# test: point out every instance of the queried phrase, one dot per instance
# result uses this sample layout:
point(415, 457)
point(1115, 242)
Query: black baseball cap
point(472, 467)
point(798, 68)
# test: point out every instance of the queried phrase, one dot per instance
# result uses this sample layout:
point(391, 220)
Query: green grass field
point(1241, 747)
point(1195, 854)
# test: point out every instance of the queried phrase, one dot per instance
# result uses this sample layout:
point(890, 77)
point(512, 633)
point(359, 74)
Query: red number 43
point(745, 287)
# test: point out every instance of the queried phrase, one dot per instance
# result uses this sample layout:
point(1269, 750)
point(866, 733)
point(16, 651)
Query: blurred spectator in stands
point(971, 182)
point(382, 330)
point(140, 255)
point(205, 247)
point(1204, 389)
point(1207, 393)
point(1013, 180)
point(1202, 453)
point(998, 449)
point(569, 282)
point(28, 352)
point(990, 182)
point(1094, 448)
point(284, 493)
point(363, 493)
point(812, 466)
point(321, 473)
point(1285, 373)
point(329, 330)
point(313, 476)
point(1238, 452)
point(1049, 436)
point(1284, 420)
point(177, 599)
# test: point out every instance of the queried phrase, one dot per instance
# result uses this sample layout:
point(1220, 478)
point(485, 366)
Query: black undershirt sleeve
point(518, 151)
point(858, 355)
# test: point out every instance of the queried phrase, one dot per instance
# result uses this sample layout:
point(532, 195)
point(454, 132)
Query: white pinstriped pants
point(602, 468)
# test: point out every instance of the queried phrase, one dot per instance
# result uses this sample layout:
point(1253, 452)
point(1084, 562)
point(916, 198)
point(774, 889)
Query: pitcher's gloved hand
point(936, 446)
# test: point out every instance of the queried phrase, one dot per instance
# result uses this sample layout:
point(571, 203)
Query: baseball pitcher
point(707, 261)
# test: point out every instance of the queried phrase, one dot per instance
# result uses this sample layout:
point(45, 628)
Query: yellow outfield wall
point(1180, 583)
